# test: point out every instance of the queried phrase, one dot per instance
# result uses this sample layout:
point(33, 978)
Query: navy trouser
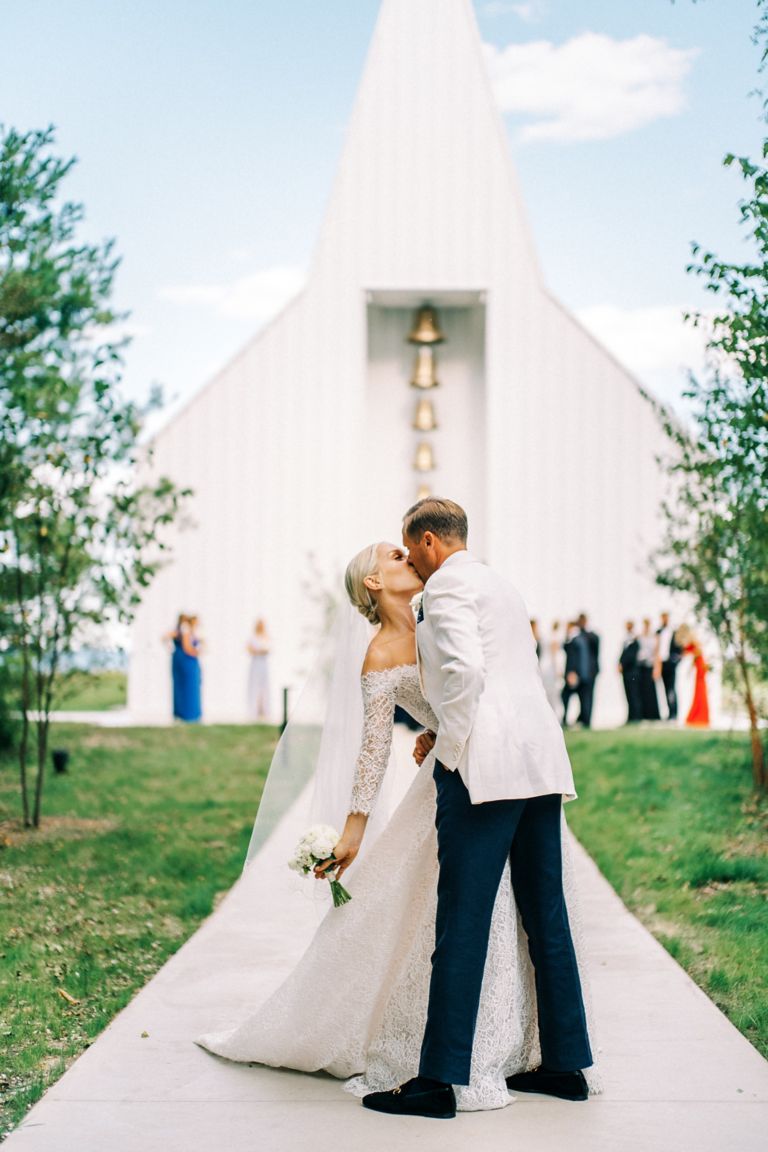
point(668, 675)
point(474, 843)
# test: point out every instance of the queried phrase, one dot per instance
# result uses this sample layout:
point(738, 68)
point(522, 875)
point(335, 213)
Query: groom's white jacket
point(479, 671)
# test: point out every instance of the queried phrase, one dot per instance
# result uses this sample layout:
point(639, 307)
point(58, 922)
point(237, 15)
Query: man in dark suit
point(586, 687)
point(630, 674)
point(577, 666)
point(669, 656)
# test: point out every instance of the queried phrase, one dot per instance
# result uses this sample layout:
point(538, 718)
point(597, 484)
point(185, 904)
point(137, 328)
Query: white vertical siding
point(303, 443)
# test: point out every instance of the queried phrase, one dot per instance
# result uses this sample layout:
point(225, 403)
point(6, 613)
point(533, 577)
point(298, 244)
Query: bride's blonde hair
point(358, 569)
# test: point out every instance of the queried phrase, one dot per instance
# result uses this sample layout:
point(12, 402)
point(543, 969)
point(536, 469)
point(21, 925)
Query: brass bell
point(424, 369)
point(425, 328)
point(424, 417)
point(423, 492)
point(425, 461)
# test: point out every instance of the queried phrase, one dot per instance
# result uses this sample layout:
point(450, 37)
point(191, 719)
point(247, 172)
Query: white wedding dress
point(356, 1003)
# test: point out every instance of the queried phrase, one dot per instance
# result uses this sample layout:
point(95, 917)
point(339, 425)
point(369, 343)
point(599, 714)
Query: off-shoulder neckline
point(384, 671)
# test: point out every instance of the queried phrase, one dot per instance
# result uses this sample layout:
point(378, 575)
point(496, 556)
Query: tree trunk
point(43, 729)
point(25, 701)
point(42, 737)
point(24, 740)
point(42, 749)
point(758, 753)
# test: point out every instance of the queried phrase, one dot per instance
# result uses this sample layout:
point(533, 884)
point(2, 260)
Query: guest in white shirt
point(648, 667)
point(668, 658)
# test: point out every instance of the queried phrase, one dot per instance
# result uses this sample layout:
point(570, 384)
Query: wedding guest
point(668, 657)
point(174, 639)
point(630, 673)
point(556, 645)
point(258, 672)
point(648, 671)
point(577, 665)
point(698, 714)
point(187, 656)
point(587, 683)
point(550, 653)
point(556, 648)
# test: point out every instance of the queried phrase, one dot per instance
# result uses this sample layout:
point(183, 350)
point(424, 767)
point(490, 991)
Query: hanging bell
point(423, 492)
point(425, 328)
point(425, 461)
point(424, 369)
point(424, 417)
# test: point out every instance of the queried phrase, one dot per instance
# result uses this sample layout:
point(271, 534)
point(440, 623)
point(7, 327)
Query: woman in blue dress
point(185, 671)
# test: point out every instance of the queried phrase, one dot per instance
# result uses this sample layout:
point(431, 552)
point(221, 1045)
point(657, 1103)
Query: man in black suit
point(630, 674)
point(577, 666)
point(669, 655)
point(586, 687)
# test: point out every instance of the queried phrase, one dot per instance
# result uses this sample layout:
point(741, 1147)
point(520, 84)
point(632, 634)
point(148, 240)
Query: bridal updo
point(358, 569)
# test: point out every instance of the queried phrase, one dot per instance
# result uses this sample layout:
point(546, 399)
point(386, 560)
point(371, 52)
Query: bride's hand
point(347, 848)
point(424, 745)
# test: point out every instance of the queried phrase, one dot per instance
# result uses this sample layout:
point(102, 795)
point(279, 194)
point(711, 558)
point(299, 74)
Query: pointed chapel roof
point(426, 188)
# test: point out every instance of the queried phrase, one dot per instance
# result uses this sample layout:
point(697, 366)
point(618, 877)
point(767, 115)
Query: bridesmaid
point(258, 674)
point(174, 638)
point(185, 670)
point(698, 715)
point(549, 650)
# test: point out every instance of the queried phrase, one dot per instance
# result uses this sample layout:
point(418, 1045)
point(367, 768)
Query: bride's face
point(396, 575)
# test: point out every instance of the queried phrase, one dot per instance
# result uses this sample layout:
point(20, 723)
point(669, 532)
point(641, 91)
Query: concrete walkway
point(677, 1076)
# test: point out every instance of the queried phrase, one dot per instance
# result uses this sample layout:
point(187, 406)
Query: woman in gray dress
point(258, 673)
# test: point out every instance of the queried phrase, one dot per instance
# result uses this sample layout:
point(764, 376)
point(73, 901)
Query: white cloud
point(591, 87)
point(256, 297)
point(118, 331)
point(526, 12)
point(654, 343)
point(128, 328)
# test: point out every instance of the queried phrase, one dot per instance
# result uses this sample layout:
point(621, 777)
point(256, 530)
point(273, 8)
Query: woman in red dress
point(698, 715)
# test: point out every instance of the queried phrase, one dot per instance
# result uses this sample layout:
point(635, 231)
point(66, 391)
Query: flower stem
point(339, 893)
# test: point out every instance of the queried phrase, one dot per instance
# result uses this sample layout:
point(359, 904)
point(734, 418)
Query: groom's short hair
point(443, 518)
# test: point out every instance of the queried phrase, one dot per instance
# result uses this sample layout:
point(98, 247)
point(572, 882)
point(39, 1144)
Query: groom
point(501, 772)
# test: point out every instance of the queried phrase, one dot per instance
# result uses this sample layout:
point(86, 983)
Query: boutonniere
point(416, 603)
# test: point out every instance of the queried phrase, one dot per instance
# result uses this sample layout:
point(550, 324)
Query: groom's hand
point(424, 745)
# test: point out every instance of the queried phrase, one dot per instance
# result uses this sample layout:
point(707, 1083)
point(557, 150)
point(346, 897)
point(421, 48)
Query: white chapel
point(425, 354)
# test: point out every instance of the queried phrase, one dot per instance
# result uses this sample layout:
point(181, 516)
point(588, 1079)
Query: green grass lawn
point(91, 691)
point(150, 825)
point(137, 840)
point(671, 820)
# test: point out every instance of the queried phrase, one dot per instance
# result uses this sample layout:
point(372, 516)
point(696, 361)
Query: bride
point(355, 1005)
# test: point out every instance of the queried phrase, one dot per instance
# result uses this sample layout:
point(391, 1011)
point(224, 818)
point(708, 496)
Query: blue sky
point(208, 133)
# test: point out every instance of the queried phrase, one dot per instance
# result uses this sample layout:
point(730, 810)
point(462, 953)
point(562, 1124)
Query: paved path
point(677, 1076)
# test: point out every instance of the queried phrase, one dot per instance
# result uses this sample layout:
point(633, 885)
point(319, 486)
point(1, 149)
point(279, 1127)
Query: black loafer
point(414, 1099)
point(564, 1085)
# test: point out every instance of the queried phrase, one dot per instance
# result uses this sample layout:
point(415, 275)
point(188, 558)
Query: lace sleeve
point(379, 689)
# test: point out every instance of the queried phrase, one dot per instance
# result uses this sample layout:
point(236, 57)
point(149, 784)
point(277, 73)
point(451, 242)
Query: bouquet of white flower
point(316, 847)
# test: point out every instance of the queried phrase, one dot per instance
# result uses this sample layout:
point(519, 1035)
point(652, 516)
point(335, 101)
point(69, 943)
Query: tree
point(80, 537)
point(715, 547)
